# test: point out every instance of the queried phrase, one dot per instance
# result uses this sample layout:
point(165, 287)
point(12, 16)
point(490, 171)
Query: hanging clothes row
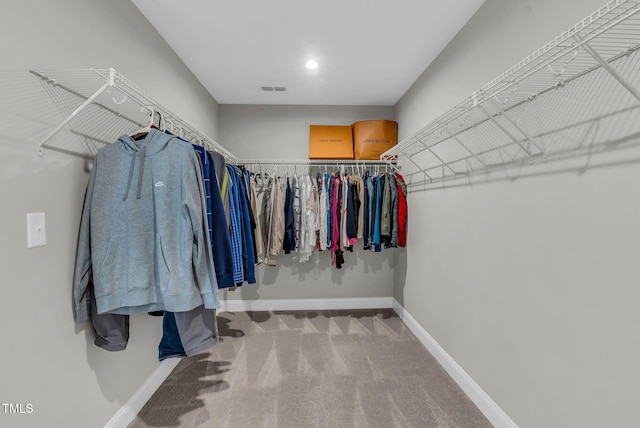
point(230, 219)
point(332, 212)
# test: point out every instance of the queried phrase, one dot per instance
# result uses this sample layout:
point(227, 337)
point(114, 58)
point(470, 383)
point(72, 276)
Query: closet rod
point(321, 163)
point(318, 163)
point(311, 162)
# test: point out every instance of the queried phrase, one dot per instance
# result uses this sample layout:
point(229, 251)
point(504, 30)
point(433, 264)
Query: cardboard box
point(371, 138)
point(330, 142)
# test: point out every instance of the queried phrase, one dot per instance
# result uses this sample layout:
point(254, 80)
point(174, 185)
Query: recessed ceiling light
point(312, 65)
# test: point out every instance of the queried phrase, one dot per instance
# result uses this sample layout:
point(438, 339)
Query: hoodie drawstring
point(141, 171)
point(133, 163)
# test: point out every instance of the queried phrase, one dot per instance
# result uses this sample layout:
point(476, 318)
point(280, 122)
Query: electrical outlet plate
point(36, 230)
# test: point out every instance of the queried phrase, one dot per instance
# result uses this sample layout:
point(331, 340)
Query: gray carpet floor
point(299, 369)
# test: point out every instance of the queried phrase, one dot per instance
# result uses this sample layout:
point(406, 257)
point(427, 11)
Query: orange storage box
point(330, 142)
point(371, 138)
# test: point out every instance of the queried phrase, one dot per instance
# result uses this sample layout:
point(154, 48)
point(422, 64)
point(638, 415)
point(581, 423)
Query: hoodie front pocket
point(129, 264)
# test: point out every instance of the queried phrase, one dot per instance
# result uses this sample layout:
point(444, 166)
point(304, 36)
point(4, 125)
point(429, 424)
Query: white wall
point(282, 132)
point(46, 359)
point(530, 285)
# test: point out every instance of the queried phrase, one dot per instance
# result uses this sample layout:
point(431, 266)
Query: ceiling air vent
point(273, 88)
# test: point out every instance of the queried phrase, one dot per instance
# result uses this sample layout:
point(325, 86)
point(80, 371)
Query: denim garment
point(188, 333)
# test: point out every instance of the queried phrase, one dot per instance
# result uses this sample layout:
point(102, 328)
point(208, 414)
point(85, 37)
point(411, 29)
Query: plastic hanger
point(145, 130)
point(162, 123)
point(171, 127)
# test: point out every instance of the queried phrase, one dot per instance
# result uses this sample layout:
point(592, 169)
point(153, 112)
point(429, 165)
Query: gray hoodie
point(144, 235)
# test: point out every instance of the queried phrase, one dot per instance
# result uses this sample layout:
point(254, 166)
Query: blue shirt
point(236, 228)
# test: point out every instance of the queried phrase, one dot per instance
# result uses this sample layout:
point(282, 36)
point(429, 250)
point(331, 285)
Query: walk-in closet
point(176, 253)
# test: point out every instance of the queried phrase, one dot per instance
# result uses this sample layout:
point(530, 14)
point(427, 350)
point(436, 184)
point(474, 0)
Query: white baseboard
point(397, 308)
point(487, 406)
point(305, 304)
point(132, 407)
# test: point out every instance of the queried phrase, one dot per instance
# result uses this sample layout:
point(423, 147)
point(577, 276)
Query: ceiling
point(369, 51)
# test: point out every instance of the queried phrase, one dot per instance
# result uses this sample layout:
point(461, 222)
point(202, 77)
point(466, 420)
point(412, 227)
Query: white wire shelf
point(578, 94)
point(100, 105)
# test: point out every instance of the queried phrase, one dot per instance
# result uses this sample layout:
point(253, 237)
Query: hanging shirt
point(328, 190)
point(361, 209)
point(371, 188)
point(302, 185)
point(377, 202)
point(289, 243)
point(393, 187)
point(236, 228)
point(318, 186)
point(344, 239)
point(247, 183)
point(402, 211)
point(297, 210)
point(322, 204)
point(259, 243)
point(220, 238)
point(265, 217)
point(222, 175)
point(277, 223)
point(310, 220)
point(337, 257)
point(204, 164)
point(353, 209)
point(248, 250)
point(366, 229)
point(385, 219)
point(335, 215)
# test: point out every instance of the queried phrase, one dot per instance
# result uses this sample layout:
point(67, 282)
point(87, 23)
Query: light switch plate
point(36, 230)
